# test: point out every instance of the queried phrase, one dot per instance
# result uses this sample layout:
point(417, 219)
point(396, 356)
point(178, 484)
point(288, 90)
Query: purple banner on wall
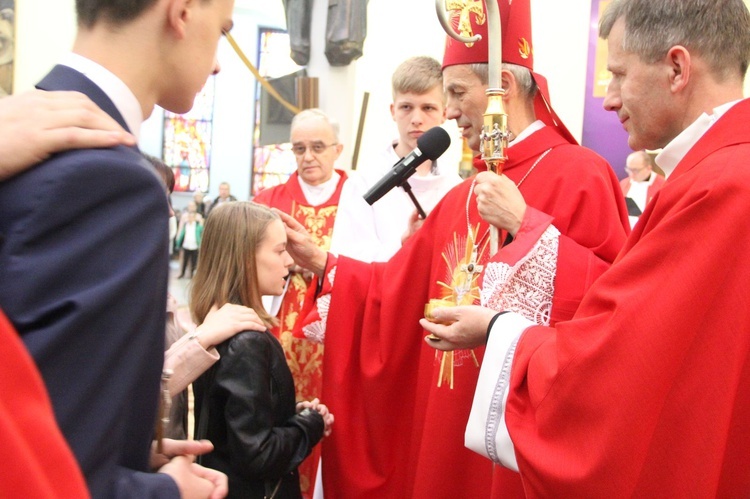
point(602, 131)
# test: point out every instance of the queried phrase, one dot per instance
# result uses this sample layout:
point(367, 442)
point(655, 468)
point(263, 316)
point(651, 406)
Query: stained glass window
point(187, 142)
point(272, 164)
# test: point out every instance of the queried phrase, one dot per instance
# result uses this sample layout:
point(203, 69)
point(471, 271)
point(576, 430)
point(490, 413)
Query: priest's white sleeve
point(354, 232)
point(272, 303)
point(486, 431)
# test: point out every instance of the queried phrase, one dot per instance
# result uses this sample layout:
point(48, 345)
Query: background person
point(189, 241)
point(200, 204)
point(641, 184)
point(225, 196)
point(311, 196)
point(373, 233)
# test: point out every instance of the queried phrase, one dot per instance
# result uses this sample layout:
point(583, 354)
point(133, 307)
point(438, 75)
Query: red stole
point(305, 358)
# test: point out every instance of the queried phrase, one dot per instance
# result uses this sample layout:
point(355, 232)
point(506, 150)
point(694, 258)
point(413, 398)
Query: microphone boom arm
point(405, 186)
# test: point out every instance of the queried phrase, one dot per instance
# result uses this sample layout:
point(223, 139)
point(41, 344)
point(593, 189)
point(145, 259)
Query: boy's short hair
point(114, 11)
point(417, 75)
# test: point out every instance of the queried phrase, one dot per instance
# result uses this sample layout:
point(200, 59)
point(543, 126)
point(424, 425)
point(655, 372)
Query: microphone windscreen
point(433, 143)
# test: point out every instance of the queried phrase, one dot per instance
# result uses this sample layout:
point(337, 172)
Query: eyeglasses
point(634, 170)
point(315, 148)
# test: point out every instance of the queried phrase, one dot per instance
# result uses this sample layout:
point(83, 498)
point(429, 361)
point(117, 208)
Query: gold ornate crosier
point(462, 9)
point(495, 134)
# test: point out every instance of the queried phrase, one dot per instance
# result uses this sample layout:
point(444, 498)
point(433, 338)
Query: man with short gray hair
point(368, 313)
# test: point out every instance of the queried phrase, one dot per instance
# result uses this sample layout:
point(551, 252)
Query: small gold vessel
point(437, 303)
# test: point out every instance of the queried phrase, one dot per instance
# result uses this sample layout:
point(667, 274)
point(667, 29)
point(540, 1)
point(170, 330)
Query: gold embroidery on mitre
point(463, 289)
point(524, 48)
point(460, 10)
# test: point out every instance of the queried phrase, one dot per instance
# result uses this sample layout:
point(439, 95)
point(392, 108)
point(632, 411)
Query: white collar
point(528, 131)
point(677, 149)
point(123, 98)
point(319, 194)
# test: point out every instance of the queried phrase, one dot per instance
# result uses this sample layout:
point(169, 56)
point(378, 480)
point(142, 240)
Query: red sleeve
point(39, 462)
point(310, 313)
point(374, 342)
point(588, 209)
point(577, 266)
point(577, 269)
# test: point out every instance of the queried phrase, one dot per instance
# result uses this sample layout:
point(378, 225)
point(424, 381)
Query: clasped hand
point(322, 409)
point(499, 201)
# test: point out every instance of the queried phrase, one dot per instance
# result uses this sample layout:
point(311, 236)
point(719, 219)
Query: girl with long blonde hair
point(245, 403)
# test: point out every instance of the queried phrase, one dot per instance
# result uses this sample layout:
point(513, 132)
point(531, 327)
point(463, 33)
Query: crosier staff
point(495, 134)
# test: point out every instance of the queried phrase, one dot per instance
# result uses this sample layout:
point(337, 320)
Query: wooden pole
point(307, 92)
point(360, 128)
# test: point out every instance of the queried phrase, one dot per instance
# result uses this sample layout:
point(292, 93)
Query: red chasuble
point(305, 358)
point(398, 434)
point(38, 461)
point(646, 392)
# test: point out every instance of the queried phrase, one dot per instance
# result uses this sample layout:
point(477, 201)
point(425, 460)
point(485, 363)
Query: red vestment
point(305, 358)
point(38, 461)
point(398, 434)
point(645, 393)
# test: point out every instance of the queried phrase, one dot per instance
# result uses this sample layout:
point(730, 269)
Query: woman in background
point(245, 403)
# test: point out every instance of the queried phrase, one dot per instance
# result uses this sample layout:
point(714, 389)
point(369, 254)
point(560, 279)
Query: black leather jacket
point(259, 439)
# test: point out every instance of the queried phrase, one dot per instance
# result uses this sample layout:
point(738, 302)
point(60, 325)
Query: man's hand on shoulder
point(37, 124)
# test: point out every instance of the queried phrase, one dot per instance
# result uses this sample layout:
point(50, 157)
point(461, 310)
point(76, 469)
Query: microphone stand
point(413, 198)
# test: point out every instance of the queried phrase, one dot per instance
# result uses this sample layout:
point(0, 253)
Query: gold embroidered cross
point(472, 268)
point(463, 291)
point(462, 9)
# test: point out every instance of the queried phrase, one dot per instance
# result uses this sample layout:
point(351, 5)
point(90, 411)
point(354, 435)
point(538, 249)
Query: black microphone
point(433, 143)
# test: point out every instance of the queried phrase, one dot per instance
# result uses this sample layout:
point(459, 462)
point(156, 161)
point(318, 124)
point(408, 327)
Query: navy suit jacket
point(83, 278)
